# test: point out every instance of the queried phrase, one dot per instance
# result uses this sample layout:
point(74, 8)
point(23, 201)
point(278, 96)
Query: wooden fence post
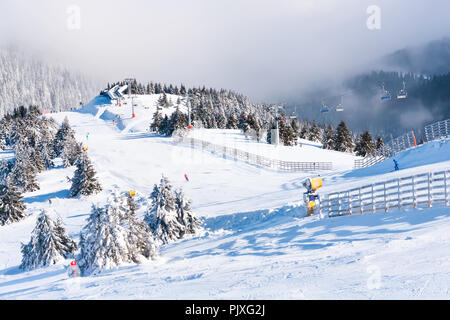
point(430, 197)
point(339, 201)
point(373, 201)
point(349, 200)
point(399, 195)
point(445, 189)
point(414, 192)
point(361, 210)
point(386, 205)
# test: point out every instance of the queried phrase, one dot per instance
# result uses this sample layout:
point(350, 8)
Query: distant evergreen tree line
point(211, 108)
point(338, 139)
point(224, 109)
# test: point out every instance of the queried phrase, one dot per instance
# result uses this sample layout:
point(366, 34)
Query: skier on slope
point(396, 168)
point(186, 177)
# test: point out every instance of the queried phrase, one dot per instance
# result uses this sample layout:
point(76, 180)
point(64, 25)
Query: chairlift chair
point(386, 95)
point(340, 106)
point(402, 94)
point(324, 108)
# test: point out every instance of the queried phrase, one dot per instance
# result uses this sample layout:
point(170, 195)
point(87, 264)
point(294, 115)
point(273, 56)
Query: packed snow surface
point(257, 243)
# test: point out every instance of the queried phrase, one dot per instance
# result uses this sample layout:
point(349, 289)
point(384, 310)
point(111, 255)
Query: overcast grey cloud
point(265, 49)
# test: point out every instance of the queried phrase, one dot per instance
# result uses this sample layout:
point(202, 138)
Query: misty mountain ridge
point(425, 71)
point(431, 59)
point(25, 80)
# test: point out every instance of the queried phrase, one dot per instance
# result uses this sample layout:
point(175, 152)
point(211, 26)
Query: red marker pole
point(74, 264)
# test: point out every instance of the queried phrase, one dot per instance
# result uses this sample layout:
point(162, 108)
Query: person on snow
point(396, 168)
point(186, 177)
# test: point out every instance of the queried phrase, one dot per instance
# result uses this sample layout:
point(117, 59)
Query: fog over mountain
point(25, 80)
point(268, 50)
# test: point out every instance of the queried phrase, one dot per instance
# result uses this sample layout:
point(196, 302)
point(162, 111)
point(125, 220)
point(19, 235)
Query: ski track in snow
point(257, 243)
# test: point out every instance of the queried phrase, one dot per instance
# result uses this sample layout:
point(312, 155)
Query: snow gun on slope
point(310, 197)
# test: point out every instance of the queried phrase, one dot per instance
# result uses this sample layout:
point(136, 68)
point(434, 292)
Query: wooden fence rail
point(237, 154)
point(419, 191)
point(437, 130)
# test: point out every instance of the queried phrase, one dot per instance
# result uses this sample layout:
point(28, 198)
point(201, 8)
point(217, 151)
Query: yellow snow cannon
point(132, 193)
point(313, 184)
point(310, 197)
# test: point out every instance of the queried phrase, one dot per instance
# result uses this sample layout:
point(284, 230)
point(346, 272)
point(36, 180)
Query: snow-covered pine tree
point(380, 143)
point(104, 244)
point(287, 135)
point(164, 126)
point(2, 142)
point(191, 224)
point(23, 174)
point(37, 159)
point(157, 119)
point(365, 145)
point(163, 101)
point(140, 240)
point(295, 127)
point(328, 138)
point(253, 123)
point(314, 133)
point(178, 121)
point(49, 244)
point(232, 122)
point(343, 140)
point(162, 216)
point(139, 234)
point(84, 181)
point(243, 123)
point(5, 169)
point(304, 133)
point(12, 207)
point(67, 246)
point(71, 152)
point(46, 154)
point(113, 235)
point(65, 132)
point(221, 121)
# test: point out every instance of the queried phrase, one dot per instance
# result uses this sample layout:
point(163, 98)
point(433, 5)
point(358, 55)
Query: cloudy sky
point(265, 49)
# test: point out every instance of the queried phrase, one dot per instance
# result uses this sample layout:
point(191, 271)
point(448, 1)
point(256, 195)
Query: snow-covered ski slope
point(258, 243)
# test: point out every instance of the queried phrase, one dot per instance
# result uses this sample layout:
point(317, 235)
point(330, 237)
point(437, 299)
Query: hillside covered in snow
point(256, 242)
